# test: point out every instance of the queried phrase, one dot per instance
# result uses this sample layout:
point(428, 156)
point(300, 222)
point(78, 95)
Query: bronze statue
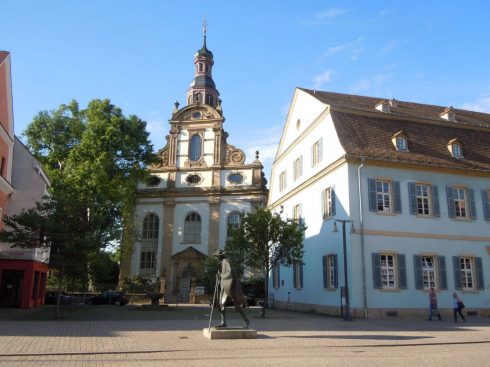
point(229, 286)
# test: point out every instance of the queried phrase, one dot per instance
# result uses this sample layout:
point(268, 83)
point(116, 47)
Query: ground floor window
point(147, 260)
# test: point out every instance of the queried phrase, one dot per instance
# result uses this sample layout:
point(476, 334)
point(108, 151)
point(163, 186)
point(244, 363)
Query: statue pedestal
point(229, 333)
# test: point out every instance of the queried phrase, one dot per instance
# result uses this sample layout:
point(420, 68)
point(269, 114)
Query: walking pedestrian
point(458, 306)
point(433, 304)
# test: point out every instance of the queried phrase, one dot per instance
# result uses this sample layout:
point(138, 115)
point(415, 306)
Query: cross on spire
point(204, 27)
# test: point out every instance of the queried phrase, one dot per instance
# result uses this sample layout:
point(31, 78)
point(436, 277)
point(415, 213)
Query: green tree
point(94, 157)
point(265, 240)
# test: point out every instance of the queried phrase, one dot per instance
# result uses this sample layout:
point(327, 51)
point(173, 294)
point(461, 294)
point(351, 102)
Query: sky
point(140, 54)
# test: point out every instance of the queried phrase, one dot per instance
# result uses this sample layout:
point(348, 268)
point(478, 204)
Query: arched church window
point(195, 148)
point(192, 228)
point(150, 227)
point(200, 66)
point(234, 220)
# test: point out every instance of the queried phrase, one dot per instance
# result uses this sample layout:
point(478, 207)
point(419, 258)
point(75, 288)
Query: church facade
point(197, 191)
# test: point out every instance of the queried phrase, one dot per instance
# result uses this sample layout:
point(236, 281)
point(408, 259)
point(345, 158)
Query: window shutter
point(471, 193)
point(486, 204)
point(441, 263)
point(457, 273)
point(397, 197)
point(295, 283)
point(320, 150)
point(402, 271)
point(278, 276)
point(313, 155)
point(451, 210)
point(301, 166)
point(412, 198)
point(417, 263)
point(479, 273)
point(436, 211)
point(301, 274)
point(333, 201)
point(322, 194)
point(336, 275)
point(372, 195)
point(376, 271)
point(274, 280)
point(325, 283)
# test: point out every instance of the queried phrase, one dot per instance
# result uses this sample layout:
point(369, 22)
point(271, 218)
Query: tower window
point(200, 67)
point(195, 148)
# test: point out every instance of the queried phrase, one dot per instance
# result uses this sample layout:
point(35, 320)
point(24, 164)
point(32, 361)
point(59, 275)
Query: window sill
point(330, 289)
point(191, 243)
point(470, 291)
point(391, 214)
point(463, 219)
point(426, 216)
point(390, 290)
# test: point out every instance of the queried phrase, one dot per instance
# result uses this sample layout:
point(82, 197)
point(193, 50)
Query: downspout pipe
point(361, 227)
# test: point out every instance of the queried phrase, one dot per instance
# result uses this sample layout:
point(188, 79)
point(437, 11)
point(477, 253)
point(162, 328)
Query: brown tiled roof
point(402, 108)
point(362, 135)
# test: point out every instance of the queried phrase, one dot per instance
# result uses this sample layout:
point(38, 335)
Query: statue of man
point(229, 287)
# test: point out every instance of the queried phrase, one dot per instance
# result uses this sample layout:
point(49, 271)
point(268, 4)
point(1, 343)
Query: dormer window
point(400, 141)
point(455, 148)
point(383, 106)
point(448, 114)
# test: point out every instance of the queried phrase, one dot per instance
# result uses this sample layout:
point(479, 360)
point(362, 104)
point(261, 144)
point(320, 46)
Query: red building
point(23, 272)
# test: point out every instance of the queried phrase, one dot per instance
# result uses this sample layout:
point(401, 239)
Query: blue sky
point(140, 55)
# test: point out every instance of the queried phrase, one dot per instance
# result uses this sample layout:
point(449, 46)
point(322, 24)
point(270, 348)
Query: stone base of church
point(229, 333)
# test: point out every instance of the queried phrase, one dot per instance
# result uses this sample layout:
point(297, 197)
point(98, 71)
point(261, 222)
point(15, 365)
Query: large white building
point(414, 179)
point(197, 192)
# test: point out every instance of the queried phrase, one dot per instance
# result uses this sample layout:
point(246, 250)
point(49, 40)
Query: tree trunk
point(266, 295)
point(57, 311)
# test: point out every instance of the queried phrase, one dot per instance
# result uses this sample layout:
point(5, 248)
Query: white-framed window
point(331, 271)
point(456, 151)
point(388, 271)
point(383, 195)
point(466, 269)
point(150, 227)
point(298, 274)
point(234, 220)
point(195, 148)
point(298, 168)
point(282, 181)
point(276, 280)
point(317, 152)
point(429, 272)
point(423, 194)
point(460, 196)
point(192, 228)
point(297, 211)
point(147, 260)
point(401, 143)
point(328, 203)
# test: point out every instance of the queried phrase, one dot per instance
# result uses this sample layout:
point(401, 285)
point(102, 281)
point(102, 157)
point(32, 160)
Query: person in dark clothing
point(458, 306)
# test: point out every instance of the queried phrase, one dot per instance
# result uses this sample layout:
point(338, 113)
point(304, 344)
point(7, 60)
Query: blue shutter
point(412, 198)
point(274, 278)
point(436, 211)
point(472, 203)
point(301, 274)
point(397, 198)
point(451, 210)
point(295, 284)
point(441, 263)
point(322, 204)
point(479, 273)
point(417, 264)
point(402, 271)
point(278, 276)
point(373, 207)
point(486, 203)
point(376, 271)
point(333, 202)
point(457, 272)
point(336, 275)
point(325, 283)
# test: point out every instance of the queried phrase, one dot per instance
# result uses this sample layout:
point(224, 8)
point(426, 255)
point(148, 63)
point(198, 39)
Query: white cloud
point(371, 85)
point(321, 79)
point(389, 47)
point(330, 13)
point(480, 105)
point(157, 133)
point(352, 49)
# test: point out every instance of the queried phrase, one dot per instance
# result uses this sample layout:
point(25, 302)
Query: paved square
point(124, 336)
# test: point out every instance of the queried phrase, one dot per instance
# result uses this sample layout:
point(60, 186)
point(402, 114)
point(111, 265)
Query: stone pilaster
point(168, 231)
point(214, 209)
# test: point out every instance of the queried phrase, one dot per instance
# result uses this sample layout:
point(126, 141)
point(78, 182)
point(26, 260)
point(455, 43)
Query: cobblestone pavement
point(112, 336)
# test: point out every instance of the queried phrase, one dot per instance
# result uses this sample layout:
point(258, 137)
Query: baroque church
point(195, 194)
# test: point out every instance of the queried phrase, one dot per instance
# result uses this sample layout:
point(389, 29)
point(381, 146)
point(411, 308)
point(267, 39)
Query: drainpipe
point(361, 227)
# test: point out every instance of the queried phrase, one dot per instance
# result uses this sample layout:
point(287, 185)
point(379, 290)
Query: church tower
point(195, 194)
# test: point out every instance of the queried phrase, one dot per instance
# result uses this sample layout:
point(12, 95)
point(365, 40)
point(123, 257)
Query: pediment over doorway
point(189, 254)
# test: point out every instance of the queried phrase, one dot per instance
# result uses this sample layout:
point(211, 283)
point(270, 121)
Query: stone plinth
point(229, 333)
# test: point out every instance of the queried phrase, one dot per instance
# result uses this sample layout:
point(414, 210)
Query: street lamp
point(347, 315)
